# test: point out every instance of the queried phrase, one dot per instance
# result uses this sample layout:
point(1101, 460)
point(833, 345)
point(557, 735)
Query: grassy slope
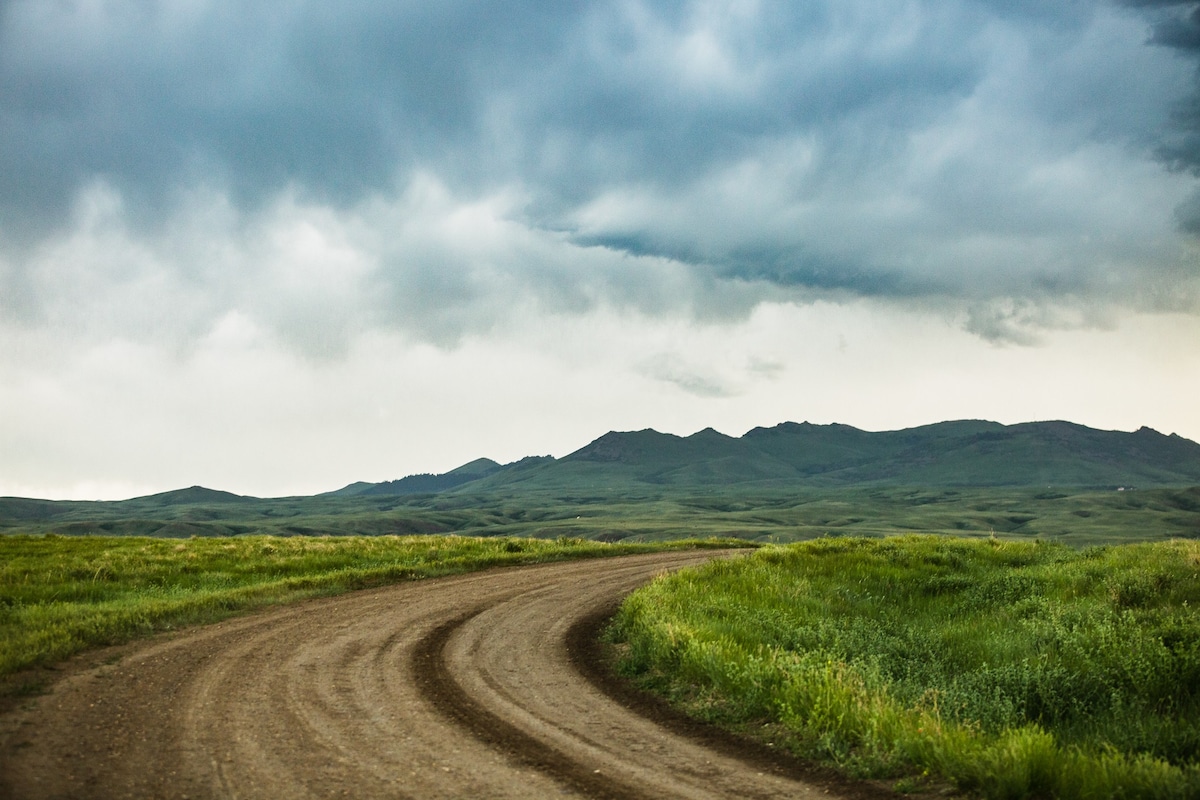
point(61, 595)
point(1011, 669)
point(949, 454)
point(649, 513)
point(773, 484)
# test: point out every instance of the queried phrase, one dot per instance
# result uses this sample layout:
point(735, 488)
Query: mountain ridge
point(956, 453)
point(953, 453)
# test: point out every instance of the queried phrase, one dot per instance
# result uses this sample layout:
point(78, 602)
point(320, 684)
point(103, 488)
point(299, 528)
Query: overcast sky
point(280, 246)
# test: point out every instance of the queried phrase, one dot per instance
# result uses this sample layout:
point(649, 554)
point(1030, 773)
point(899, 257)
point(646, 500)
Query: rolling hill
point(774, 484)
point(424, 483)
point(949, 454)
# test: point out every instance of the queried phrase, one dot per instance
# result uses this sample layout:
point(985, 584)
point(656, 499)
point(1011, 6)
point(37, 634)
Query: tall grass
point(61, 595)
point(1009, 669)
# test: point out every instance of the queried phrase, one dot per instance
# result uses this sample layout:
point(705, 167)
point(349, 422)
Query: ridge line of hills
point(964, 453)
point(961, 453)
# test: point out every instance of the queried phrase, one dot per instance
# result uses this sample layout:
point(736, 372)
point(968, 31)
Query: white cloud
point(246, 417)
point(395, 238)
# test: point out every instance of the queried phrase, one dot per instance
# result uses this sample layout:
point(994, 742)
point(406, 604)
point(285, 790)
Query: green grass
point(1075, 516)
point(1009, 669)
point(60, 595)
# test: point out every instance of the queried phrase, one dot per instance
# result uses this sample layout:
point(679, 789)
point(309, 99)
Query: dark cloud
point(1176, 25)
point(954, 149)
point(344, 101)
point(155, 99)
point(1180, 32)
point(781, 266)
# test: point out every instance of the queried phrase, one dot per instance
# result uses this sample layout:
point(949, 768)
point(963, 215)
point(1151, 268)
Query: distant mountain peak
point(480, 466)
point(953, 453)
point(194, 494)
point(427, 483)
point(614, 446)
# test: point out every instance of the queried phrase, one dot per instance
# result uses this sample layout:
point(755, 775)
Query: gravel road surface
point(464, 687)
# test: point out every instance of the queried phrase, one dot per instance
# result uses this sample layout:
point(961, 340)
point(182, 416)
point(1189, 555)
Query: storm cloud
point(1176, 25)
point(319, 170)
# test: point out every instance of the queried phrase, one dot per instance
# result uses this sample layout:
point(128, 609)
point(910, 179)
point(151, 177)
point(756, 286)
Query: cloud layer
point(428, 166)
point(209, 206)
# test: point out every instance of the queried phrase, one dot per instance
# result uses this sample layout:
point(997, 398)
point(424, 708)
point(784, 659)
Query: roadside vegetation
point(1006, 669)
point(60, 595)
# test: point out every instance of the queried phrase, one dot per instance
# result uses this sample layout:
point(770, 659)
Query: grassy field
point(60, 595)
point(1079, 517)
point(1007, 669)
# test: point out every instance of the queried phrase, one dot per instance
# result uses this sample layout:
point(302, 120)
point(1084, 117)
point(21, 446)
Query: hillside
point(949, 454)
point(965, 453)
point(425, 483)
point(194, 495)
point(790, 481)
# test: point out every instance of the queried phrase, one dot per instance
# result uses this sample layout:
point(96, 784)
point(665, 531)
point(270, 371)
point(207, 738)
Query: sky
point(278, 247)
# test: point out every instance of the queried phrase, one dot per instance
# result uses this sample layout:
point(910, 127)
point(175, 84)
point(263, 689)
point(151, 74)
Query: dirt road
point(463, 687)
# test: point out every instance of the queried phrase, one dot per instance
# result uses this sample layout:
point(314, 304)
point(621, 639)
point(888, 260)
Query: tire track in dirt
point(450, 688)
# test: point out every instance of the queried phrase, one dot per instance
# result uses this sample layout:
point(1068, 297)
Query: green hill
point(193, 495)
point(1052, 479)
point(948, 454)
point(424, 483)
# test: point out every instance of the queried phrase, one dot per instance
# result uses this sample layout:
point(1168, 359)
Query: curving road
point(460, 687)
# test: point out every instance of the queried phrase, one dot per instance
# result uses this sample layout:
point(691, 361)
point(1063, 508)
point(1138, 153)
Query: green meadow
point(1033, 641)
point(60, 595)
point(645, 512)
point(1003, 668)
